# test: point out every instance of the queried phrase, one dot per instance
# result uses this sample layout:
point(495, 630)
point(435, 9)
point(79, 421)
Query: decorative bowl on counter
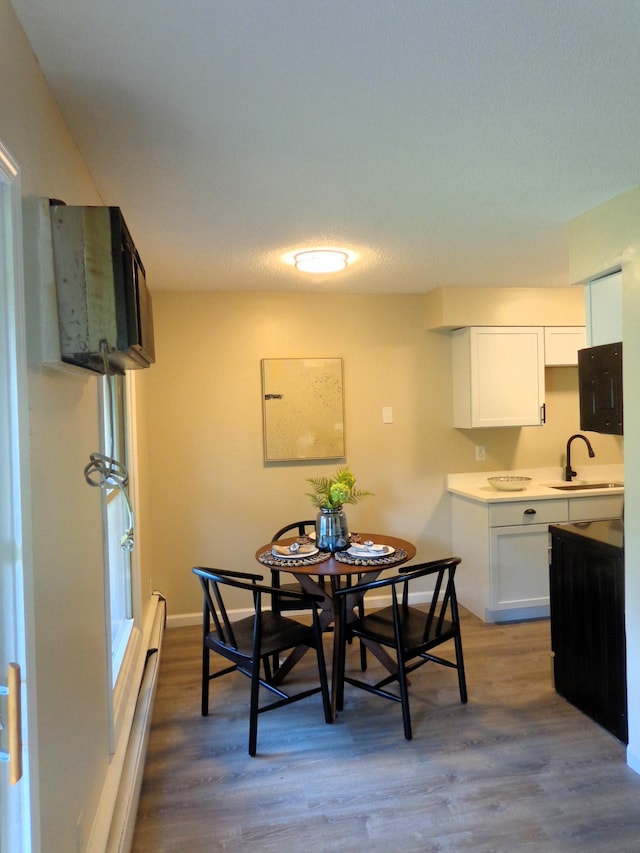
point(509, 483)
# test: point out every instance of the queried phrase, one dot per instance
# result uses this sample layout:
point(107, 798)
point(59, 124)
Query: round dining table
point(340, 568)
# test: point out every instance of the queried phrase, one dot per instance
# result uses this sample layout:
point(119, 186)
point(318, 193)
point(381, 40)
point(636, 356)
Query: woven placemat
point(398, 556)
point(269, 559)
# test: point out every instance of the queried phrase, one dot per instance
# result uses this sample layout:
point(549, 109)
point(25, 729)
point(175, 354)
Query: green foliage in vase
point(333, 492)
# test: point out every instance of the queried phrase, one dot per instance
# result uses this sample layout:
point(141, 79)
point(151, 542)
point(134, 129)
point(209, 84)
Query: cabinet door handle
point(529, 511)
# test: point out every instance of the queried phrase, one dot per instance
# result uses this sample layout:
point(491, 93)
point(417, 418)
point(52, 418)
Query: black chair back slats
point(281, 603)
point(300, 527)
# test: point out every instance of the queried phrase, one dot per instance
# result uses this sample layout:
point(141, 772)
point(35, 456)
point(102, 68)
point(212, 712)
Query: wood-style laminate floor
point(516, 769)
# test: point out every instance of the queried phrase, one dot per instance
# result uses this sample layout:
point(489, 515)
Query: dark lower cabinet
point(586, 577)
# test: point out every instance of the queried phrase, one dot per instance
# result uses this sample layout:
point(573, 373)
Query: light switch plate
point(387, 415)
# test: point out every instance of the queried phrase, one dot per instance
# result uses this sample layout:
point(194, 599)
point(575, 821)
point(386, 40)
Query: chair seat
point(291, 587)
point(278, 634)
point(379, 626)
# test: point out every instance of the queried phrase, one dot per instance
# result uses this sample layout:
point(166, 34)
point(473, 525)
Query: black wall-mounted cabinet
point(586, 578)
point(600, 386)
point(101, 291)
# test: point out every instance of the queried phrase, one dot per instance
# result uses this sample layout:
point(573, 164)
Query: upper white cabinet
point(603, 309)
point(498, 376)
point(561, 345)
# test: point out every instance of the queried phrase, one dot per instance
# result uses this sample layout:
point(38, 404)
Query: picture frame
point(303, 409)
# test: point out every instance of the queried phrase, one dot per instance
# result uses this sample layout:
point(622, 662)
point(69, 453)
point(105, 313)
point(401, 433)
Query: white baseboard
point(182, 620)
point(126, 807)
point(112, 830)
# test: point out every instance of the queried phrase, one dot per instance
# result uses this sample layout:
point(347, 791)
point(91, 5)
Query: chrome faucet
point(568, 472)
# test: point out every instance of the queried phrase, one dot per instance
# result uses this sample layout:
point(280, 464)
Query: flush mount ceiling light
point(321, 260)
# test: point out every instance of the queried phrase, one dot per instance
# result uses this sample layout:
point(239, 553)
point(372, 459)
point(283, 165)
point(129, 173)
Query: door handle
point(14, 720)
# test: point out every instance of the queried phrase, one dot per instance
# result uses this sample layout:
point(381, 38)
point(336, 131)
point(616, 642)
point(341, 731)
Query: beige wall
point(213, 499)
point(605, 238)
point(69, 742)
point(456, 307)
point(31, 125)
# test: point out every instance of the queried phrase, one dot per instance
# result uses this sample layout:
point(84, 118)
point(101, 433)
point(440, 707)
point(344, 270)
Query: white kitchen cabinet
point(561, 345)
point(595, 507)
point(498, 376)
point(504, 574)
point(519, 577)
point(603, 310)
point(518, 541)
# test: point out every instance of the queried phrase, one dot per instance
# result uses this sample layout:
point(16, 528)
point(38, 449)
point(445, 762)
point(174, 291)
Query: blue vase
point(332, 531)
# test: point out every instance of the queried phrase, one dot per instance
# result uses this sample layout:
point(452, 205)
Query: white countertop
point(474, 485)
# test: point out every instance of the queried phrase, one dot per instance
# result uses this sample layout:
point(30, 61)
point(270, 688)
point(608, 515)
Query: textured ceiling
point(447, 142)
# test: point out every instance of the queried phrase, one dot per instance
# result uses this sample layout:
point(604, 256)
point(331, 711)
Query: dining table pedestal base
point(338, 568)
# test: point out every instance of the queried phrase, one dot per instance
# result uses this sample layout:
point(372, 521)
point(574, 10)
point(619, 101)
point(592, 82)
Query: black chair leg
point(363, 648)
point(462, 681)
point(276, 609)
point(253, 709)
point(363, 657)
point(360, 609)
point(404, 689)
point(205, 682)
point(404, 697)
point(268, 672)
point(342, 652)
point(322, 670)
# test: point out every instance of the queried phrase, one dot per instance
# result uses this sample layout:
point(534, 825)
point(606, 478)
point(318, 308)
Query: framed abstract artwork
point(302, 409)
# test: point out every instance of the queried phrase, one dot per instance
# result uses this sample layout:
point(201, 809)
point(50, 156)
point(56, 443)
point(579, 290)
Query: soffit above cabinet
point(604, 238)
point(450, 308)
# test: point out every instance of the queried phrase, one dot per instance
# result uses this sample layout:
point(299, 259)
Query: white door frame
point(19, 829)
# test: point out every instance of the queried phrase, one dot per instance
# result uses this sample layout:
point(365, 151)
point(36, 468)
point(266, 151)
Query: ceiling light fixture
point(321, 260)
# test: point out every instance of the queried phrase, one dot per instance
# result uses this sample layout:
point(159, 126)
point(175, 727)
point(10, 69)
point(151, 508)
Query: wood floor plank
point(516, 769)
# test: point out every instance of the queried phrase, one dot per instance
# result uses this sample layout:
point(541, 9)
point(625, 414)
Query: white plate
point(283, 551)
point(370, 553)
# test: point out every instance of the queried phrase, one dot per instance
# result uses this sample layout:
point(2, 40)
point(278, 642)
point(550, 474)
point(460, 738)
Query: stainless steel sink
point(575, 487)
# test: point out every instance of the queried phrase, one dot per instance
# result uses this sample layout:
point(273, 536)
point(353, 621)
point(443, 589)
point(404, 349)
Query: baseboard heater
point(126, 805)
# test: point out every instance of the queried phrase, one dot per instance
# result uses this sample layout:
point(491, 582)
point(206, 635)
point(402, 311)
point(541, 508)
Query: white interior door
point(15, 795)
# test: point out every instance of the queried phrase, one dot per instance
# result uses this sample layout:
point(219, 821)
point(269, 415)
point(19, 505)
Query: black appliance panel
point(600, 388)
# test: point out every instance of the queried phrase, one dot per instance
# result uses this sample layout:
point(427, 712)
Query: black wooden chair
point(303, 528)
point(281, 603)
point(412, 633)
point(252, 642)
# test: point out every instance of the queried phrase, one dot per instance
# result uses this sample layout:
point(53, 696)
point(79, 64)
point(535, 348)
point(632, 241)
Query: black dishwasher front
point(586, 580)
